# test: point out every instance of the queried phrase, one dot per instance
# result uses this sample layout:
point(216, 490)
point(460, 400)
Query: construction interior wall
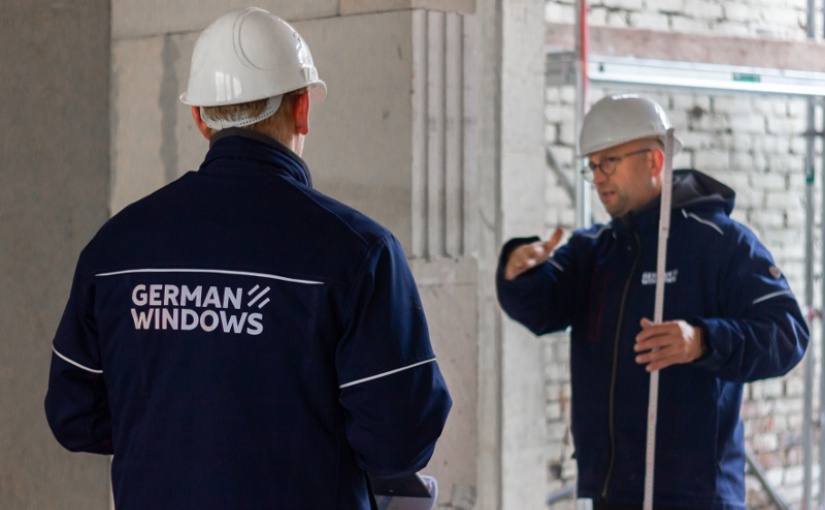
point(435, 124)
point(54, 179)
point(753, 143)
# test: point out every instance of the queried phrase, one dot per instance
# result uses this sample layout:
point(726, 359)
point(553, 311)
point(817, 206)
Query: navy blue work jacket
point(602, 283)
point(239, 340)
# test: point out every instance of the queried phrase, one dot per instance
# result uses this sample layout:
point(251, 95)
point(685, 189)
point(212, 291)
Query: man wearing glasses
point(729, 318)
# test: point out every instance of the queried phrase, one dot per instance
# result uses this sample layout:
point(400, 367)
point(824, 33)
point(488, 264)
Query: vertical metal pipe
point(813, 318)
point(822, 294)
point(807, 427)
point(583, 204)
point(807, 422)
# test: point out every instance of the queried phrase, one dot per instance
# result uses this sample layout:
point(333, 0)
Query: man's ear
point(658, 162)
point(301, 113)
point(202, 127)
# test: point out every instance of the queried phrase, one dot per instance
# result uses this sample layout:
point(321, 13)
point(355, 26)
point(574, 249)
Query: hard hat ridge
point(249, 55)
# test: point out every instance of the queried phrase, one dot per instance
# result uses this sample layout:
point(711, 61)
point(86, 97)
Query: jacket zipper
point(612, 404)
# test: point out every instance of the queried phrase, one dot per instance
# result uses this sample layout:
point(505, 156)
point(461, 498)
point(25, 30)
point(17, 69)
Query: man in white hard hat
point(238, 340)
point(729, 318)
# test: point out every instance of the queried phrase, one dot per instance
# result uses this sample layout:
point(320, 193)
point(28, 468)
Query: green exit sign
point(747, 77)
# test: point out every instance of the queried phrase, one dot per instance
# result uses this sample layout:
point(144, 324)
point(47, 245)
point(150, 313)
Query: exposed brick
point(795, 125)
point(696, 139)
point(558, 113)
point(708, 159)
point(794, 387)
point(793, 475)
point(767, 219)
point(768, 181)
point(747, 122)
point(556, 431)
point(689, 101)
point(704, 10)
point(732, 28)
point(783, 17)
point(775, 476)
point(794, 218)
point(565, 219)
point(710, 123)
point(732, 104)
point(559, 13)
point(739, 11)
point(649, 20)
point(736, 180)
point(618, 19)
point(666, 5)
point(679, 120)
point(552, 95)
point(567, 95)
point(597, 16)
point(748, 197)
point(690, 25)
point(634, 5)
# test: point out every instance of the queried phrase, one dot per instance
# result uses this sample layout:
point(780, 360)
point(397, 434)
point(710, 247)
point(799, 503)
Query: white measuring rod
point(661, 259)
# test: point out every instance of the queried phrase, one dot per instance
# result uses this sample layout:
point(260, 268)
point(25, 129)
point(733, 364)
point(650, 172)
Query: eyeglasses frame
point(589, 172)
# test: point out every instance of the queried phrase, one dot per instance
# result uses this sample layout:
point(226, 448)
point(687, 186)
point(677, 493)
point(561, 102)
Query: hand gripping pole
point(661, 258)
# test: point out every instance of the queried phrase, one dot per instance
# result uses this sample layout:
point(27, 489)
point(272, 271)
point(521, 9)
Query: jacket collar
point(237, 150)
point(639, 220)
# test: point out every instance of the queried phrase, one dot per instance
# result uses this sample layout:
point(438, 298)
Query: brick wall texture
point(753, 143)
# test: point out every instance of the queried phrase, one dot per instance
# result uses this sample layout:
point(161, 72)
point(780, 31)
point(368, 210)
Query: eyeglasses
point(608, 165)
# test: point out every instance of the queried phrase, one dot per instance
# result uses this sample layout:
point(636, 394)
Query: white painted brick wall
point(673, 6)
point(560, 13)
point(696, 26)
point(649, 20)
point(703, 10)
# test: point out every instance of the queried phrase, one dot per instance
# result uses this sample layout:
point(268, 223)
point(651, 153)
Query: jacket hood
point(693, 188)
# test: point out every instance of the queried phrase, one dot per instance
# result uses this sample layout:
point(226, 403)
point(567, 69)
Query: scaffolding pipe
point(817, 317)
point(583, 201)
point(807, 425)
point(819, 314)
point(807, 418)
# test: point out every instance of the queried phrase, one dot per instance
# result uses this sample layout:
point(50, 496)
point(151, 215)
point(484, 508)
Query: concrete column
point(523, 212)
point(54, 168)
point(512, 423)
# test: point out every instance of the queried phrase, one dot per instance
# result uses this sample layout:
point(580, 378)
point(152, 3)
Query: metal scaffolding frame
point(579, 68)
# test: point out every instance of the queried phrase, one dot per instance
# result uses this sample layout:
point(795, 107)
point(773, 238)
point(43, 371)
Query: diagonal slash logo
point(261, 294)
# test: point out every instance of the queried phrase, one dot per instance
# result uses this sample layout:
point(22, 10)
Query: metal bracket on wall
point(646, 73)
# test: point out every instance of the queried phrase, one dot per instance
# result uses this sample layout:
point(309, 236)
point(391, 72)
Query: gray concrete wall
point(523, 175)
point(54, 166)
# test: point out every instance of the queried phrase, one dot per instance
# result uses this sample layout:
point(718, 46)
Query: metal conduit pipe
point(807, 418)
point(819, 314)
point(584, 216)
point(807, 414)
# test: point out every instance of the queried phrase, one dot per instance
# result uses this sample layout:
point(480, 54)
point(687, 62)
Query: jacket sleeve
point(77, 407)
point(761, 331)
point(394, 395)
point(542, 298)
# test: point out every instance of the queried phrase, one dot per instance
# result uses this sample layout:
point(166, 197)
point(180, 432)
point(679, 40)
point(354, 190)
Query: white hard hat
point(622, 118)
point(249, 55)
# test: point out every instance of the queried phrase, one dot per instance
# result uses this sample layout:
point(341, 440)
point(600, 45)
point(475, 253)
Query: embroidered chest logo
point(209, 308)
point(649, 277)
